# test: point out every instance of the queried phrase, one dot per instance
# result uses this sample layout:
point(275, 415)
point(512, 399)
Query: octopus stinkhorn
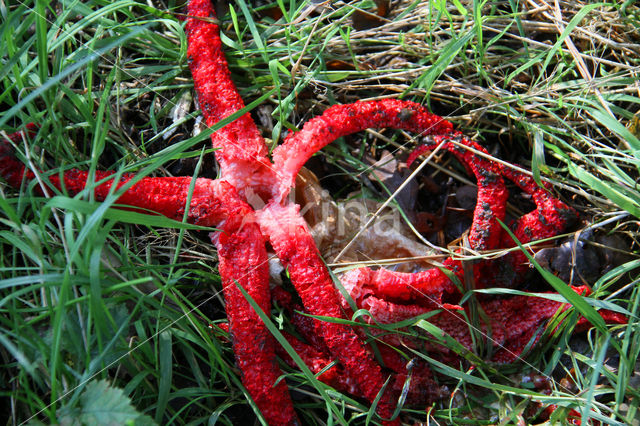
point(389, 296)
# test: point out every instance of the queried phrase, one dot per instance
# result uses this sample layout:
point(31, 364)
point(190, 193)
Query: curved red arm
point(242, 153)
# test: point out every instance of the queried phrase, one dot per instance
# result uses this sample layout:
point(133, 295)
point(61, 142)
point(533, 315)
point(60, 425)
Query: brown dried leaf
point(333, 225)
point(339, 65)
point(364, 20)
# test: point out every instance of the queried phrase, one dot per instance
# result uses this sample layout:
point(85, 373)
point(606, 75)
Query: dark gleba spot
point(542, 219)
point(482, 232)
point(488, 177)
point(528, 232)
point(457, 148)
point(568, 215)
point(405, 114)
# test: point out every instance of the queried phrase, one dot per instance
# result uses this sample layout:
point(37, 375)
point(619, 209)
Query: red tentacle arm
point(426, 288)
point(12, 169)
point(341, 120)
point(422, 387)
point(485, 232)
point(551, 215)
point(290, 238)
point(243, 262)
point(317, 361)
point(514, 322)
point(211, 203)
point(242, 152)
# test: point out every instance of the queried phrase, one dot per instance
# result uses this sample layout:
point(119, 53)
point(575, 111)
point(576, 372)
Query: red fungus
point(217, 94)
point(290, 238)
point(241, 149)
point(341, 120)
point(389, 296)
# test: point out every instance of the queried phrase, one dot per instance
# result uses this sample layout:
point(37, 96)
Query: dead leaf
point(364, 20)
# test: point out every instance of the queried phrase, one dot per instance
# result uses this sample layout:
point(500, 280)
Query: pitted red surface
point(388, 296)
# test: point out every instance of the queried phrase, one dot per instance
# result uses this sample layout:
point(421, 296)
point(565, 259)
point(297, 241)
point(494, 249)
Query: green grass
point(90, 294)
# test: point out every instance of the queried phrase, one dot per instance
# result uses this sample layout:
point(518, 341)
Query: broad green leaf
point(102, 404)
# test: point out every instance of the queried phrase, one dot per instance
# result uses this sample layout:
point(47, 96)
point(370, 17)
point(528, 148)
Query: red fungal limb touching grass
point(341, 120)
point(242, 152)
point(11, 169)
point(485, 232)
point(388, 296)
point(212, 201)
point(514, 323)
point(318, 362)
point(242, 262)
point(217, 95)
point(290, 237)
